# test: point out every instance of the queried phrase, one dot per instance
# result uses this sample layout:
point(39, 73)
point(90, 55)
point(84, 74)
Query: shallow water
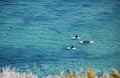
point(34, 35)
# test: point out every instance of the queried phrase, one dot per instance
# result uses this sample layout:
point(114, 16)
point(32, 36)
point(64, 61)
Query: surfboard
point(74, 38)
point(71, 49)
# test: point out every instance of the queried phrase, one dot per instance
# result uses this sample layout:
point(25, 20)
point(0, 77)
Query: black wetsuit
point(76, 36)
point(71, 47)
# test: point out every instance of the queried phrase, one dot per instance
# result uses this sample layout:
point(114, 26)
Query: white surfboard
point(74, 38)
point(92, 42)
point(81, 42)
point(71, 49)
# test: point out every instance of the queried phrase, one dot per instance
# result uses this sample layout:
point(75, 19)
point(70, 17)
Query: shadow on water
point(86, 5)
point(60, 12)
point(55, 30)
point(11, 3)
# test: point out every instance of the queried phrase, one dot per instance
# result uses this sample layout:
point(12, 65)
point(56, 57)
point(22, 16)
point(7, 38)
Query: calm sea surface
point(34, 35)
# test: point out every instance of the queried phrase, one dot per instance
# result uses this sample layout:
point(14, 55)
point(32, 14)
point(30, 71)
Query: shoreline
point(7, 72)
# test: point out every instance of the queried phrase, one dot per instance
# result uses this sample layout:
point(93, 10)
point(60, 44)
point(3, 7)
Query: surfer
point(76, 36)
point(71, 46)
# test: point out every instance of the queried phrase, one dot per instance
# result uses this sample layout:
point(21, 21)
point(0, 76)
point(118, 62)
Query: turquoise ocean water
point(34, 35)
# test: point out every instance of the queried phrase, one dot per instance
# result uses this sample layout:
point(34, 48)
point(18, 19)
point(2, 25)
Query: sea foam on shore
point(7, 72)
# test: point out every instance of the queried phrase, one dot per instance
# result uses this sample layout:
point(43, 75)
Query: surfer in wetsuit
point(76, 36)
point(85, 41)
point(71, 46)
